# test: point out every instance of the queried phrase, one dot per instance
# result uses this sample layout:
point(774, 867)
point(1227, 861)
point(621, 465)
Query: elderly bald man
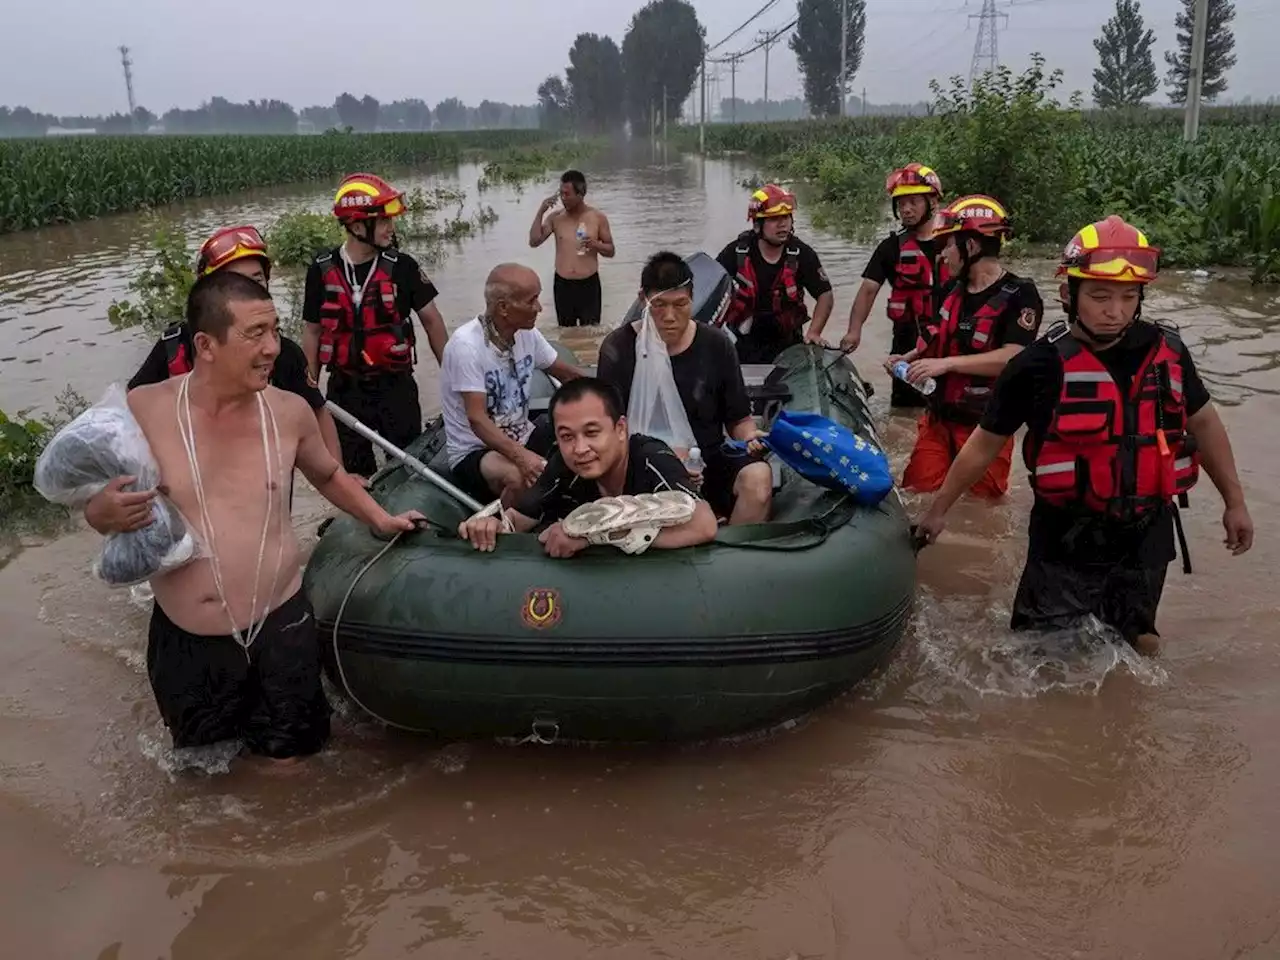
point(492, 446)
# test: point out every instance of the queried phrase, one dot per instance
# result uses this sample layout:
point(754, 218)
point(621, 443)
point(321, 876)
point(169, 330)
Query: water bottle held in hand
point(581, 234)
point(925, 386)
point(694, 462)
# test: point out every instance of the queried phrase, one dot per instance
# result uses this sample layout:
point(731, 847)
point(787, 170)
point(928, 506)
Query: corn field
point(44, 181)
point(1214, 201)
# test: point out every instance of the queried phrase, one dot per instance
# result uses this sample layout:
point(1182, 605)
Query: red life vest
point(177, 349)
point(788, 299)
point(912, 289)
point(1111, 453)
point(962, 397)
point(379, 339)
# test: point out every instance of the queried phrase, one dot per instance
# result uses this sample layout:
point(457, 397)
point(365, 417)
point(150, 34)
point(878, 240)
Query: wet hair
point(576, 180)
point(665, 271)
point(210, 299)
point(572, 391)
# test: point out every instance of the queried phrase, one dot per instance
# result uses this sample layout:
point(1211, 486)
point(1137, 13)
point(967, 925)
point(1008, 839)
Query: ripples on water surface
point(981, 797)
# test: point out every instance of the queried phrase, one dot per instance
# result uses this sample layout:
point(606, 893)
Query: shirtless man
point(233, 648)
point(582, 237)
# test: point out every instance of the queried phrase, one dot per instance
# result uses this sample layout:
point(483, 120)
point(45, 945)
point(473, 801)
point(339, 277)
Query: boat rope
point(337, 656)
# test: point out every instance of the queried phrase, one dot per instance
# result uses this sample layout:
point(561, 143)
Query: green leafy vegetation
point(1056, 167)
point(21, 442)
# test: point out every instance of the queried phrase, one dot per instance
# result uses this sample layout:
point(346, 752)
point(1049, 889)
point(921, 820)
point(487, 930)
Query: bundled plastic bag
point(654, 407)
point(103, 443)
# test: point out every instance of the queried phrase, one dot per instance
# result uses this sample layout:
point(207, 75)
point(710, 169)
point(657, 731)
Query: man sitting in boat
point(595, 457)
point(493, 448)
point(708, 377)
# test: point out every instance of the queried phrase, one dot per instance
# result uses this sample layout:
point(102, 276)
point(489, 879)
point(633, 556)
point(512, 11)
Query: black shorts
point(387, 403)
point(1055, 596)
point(723, 467)
point(209, 691)
point(577, 301)
point(468, 476)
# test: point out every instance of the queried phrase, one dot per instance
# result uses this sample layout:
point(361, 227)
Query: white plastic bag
point(101, 444)
point(654, 407)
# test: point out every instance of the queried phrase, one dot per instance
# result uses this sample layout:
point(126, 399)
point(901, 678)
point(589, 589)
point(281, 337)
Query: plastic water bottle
point(925, 386)
point(694, 462)
point(581, 234)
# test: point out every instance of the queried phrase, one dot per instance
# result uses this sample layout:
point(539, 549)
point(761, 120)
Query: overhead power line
point(767, 38)
point(755, 16)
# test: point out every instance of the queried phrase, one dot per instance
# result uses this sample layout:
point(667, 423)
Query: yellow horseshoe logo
point(541, 609)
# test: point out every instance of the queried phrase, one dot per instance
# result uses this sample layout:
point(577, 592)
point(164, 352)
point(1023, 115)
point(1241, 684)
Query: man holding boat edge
point(1118, 425)
point(595, 457)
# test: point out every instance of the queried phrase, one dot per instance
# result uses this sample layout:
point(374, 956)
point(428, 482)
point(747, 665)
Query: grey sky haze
point(308, 51)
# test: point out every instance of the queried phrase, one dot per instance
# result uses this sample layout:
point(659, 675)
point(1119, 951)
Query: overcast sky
point(308, 51)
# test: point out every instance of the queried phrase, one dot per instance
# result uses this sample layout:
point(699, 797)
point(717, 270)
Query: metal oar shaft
point(410, 461)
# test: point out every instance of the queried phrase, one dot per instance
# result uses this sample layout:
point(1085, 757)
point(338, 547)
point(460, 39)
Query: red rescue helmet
point(913, 179)
point(1110, 250)
point(976, 213)
point(363, 196)
point(771, 201)
point(229, 244)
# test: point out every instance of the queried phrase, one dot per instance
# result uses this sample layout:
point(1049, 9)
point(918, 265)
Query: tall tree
point(489, 114)
point(1218, 43)
point(816, 44)
point(554, 105)
point(1126, 73)
point(594, 78)
point(661, 54)
point(451, 114)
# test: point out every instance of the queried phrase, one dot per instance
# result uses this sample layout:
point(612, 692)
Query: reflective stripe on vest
point(911, 292)
point(788, 300)
point(379, 339)
point(1102, 451)
point(962, 397)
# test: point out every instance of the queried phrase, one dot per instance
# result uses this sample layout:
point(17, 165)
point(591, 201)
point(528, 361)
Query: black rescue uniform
point(384, 398)
point(883, 268)
point(798, 268)
point(652, 466)
point(1081, 562)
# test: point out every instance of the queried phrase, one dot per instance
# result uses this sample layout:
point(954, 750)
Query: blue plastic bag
point(830, 455)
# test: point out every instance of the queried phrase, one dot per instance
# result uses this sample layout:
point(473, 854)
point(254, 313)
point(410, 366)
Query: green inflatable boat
point(762, 625)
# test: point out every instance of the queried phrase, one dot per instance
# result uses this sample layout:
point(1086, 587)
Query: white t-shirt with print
point(472, 365)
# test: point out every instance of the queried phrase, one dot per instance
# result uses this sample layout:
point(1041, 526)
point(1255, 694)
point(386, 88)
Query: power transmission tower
point(128, 81)
point(986, 56)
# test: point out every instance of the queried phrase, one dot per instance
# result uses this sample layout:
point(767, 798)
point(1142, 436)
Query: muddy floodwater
point(978, 798)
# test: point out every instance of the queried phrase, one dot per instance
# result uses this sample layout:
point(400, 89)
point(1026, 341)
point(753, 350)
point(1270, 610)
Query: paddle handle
point(410, 461)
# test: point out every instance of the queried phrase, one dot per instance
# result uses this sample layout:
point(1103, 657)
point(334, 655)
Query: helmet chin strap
point(1101, 339)
point(370, 235)
point(760, 234)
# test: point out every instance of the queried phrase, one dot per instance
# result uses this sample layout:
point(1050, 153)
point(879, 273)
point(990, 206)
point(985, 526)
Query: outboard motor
point(712, 290)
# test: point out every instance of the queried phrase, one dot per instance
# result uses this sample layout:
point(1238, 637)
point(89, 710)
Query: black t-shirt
point(651, 467)
point(1027, 393)
point(883, 265)
point(1019, 320)
point(413, 289)
point(707, 375)
point(765, 336)
point(289, 372)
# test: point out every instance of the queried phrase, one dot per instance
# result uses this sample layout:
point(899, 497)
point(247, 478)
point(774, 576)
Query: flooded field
point(979, 798)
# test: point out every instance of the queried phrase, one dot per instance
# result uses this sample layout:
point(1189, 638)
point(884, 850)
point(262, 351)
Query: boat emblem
point(541, 608)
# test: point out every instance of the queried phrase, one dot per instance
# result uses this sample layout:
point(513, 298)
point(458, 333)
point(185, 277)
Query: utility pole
point(1195, 75)
point(767, 40)
point(864, 101)
point(986, 56)
point(844, 53)
point(702, 120)
point(664, 111)
point(128, 83)
point(733, 89)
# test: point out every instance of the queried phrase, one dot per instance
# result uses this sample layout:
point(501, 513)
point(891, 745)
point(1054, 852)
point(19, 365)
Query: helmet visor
point(231, 245)
point(1132, 264)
